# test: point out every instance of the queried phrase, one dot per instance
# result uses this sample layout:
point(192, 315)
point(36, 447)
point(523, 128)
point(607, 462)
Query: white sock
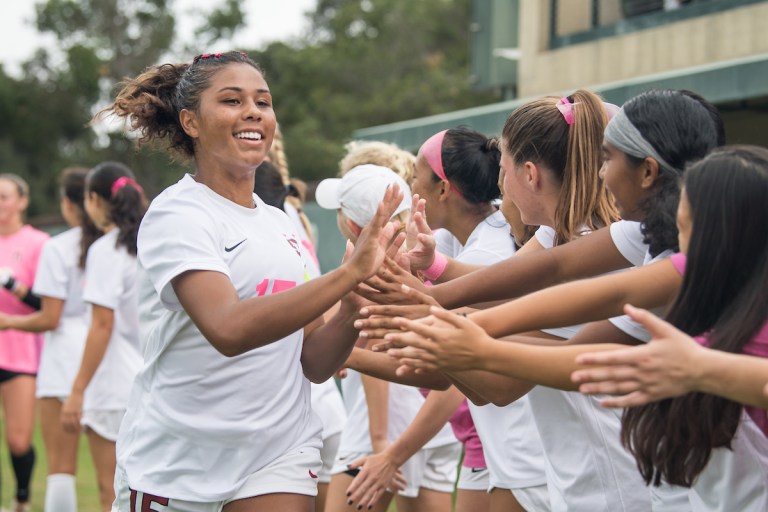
point(60, 495)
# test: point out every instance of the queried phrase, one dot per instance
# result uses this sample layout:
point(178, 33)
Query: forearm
point(455, 269)
point(521, 274)
point(326, 348)
point(377, 398)
point(507, 279)
point(741, 378)
point(582, 301)
point(47, 319)
point(540, 365)
point(381, 366)
point(437, 409)
point(35, 322)
point(234, 326)
point(482, 387)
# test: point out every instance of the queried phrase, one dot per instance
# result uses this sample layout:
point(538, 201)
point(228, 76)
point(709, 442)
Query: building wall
point(725, 35)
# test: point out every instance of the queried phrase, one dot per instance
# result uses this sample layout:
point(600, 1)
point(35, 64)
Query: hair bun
point(492, 144)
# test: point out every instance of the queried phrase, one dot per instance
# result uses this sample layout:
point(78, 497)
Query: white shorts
point(328, 455)
point(533, 498)
point(104, 423)
point(286, 474)
point(474, 479)
point(435, 469)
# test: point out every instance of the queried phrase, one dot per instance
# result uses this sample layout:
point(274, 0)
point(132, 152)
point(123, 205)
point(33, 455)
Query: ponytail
point(73, 188)
point(115, 183)
point(584, 200)
point(564, 135)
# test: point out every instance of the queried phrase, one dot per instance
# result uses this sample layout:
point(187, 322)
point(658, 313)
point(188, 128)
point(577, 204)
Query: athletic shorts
point(328, 455)
point(473, 479)
point(533, 498)
point(6, 375)
point(286, 474)
point(105, 423)
point(434, 468)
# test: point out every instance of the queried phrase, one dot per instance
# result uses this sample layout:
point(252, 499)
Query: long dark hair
point(723, 296)
point(127, 204)
point(73, 188)
point(682, 127)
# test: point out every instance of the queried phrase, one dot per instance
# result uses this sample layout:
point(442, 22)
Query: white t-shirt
point(59, 276)
point(628, 239)
point(403, 405)
point(736, 478)
point(587, 467)
point(545, 235)
point(511, 443)
point(199, 423)
point(110, 282)
point(326, 397)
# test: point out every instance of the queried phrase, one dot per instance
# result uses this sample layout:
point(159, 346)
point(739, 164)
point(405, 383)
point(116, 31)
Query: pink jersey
point(20, 351)
point(757, 346)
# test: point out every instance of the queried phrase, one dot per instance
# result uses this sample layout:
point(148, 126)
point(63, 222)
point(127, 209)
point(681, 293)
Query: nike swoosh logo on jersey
point(478, 470)
point(312, 474)
point(230, 249)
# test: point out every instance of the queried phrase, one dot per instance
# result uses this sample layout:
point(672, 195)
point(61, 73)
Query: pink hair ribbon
point(565, 106)
point(123, 181)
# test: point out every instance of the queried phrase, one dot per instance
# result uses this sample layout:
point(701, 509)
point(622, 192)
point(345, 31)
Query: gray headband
point(622, 134)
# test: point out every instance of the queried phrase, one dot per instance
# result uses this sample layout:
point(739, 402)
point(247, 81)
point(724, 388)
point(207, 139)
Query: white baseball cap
point(359, 192)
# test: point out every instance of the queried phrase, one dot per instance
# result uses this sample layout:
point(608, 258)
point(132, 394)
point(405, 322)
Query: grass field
point(87, 490)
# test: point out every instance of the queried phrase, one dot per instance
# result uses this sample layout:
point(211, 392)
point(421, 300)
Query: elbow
point(228, 345)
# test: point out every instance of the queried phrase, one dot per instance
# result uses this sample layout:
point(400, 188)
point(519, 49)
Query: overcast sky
point(268, 20)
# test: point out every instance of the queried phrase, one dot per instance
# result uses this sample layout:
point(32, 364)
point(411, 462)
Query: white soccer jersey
point(587, 468)
point(110, 282)
point(199, 423)
point(628, 239)
point(511, 443)
point(60, 277)
point(735, 478)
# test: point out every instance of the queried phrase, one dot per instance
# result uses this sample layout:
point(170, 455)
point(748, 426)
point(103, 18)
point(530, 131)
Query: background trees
point(362, 63)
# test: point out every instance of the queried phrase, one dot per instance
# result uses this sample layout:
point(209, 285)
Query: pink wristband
point(437, 267)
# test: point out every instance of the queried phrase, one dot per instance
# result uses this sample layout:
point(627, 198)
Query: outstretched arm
point(672, 364)
point(524, 273)
point(235, 326)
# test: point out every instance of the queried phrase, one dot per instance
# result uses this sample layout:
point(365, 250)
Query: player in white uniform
point(219, 416)
point(63, 317)
point(386, 409)
point(537, 311)
point(326, 398)
point(110, 359)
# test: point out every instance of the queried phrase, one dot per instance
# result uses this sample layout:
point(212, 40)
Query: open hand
point(378, 474)
point(444, 341)
point(664, 368)
point(376, 237)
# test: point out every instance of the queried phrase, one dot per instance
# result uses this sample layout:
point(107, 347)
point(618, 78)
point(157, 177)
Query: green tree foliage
point(367, 62)
point(362, 63)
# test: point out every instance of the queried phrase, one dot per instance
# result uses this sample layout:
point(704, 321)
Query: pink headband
point(123, 181)
point(565, 106)
point(433, 153)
